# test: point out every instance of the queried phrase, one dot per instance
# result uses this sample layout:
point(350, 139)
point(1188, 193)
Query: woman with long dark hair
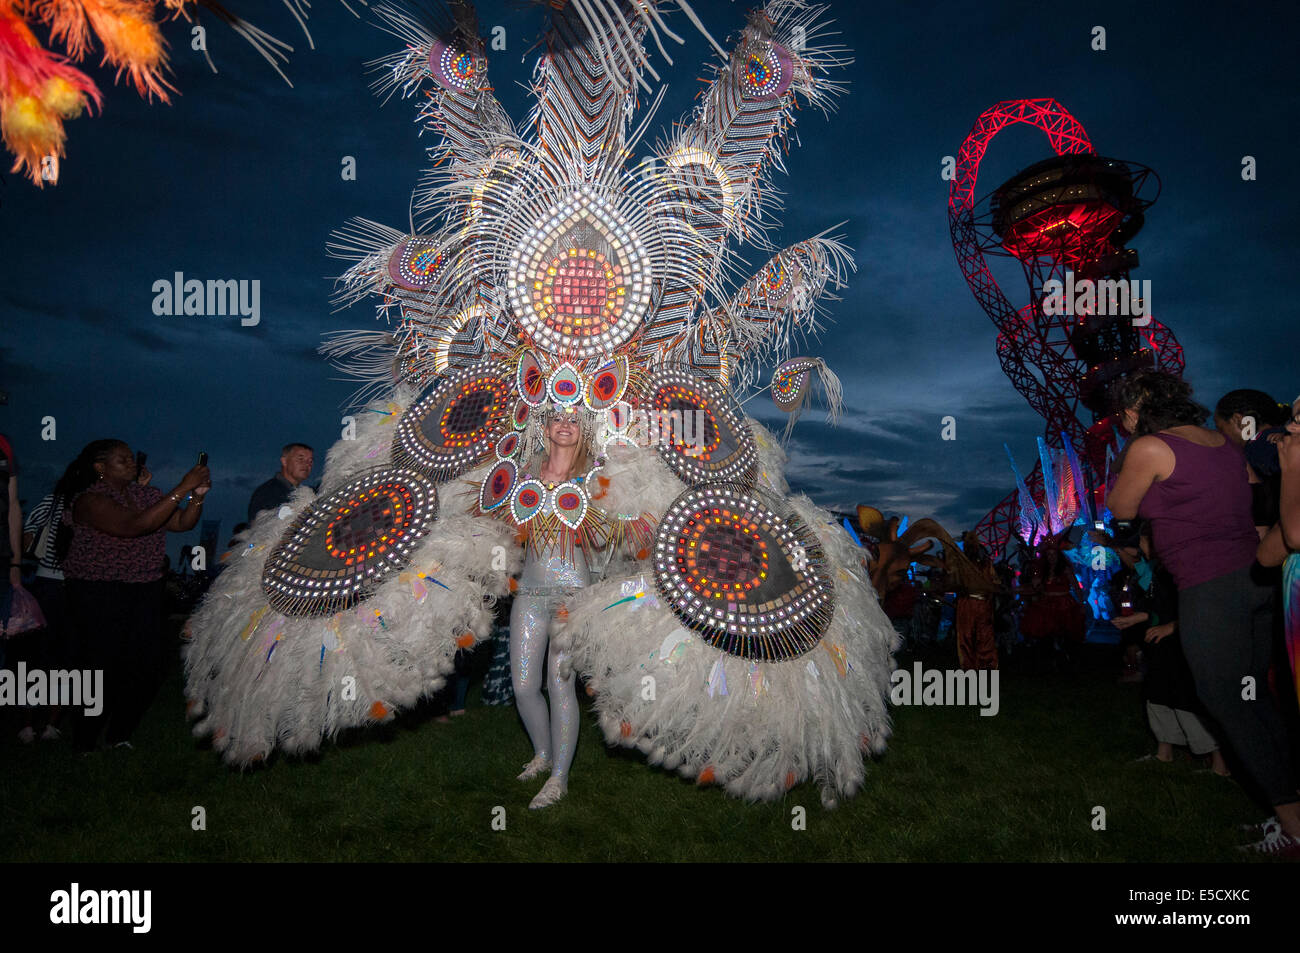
point(113, 575)
point(1191, 484)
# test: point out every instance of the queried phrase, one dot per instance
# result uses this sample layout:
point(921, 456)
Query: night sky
point(240, 178)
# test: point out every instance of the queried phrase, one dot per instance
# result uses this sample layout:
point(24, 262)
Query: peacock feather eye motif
point(345, 544)
point(455, 424)
point(746, 577)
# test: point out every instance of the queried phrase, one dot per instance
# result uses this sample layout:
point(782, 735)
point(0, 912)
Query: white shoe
point(27, 735)
point(51, 733)
point(1263, 828)
point(1276, 842)
point(551, 791)
point(532, 769)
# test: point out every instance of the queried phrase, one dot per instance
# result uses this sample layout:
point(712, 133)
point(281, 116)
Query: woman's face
point(1293, 425)
point(1230, 427)
point(564, 430)
point(119, 466)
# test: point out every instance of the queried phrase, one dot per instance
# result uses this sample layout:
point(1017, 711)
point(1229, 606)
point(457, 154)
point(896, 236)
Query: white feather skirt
point(257, 680)
point(756, 728)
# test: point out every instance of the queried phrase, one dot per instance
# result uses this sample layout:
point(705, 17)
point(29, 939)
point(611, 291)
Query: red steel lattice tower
point(1072, 213)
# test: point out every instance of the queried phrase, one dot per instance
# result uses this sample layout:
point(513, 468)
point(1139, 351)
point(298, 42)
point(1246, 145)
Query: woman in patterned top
point(113, 575)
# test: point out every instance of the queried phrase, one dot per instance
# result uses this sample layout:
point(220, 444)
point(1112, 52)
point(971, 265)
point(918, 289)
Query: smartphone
point(140, 458)
point(203, 458)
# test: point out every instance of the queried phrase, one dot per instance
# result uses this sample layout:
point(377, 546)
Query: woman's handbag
point(23, 614)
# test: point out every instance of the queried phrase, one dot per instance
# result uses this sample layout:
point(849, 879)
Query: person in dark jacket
point(296, 461)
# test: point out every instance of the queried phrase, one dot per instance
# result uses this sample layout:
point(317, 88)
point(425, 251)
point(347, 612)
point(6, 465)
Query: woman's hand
point(1158, 632)
point(144, 476)
point(1125, 621)
point(198, 476)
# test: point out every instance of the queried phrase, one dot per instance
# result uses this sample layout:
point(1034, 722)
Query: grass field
point(954, 786)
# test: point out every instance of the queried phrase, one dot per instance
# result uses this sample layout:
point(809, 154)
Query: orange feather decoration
point(38, 91)
point(125, 28)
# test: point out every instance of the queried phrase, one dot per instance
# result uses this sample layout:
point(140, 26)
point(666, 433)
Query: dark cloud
point(239, 178)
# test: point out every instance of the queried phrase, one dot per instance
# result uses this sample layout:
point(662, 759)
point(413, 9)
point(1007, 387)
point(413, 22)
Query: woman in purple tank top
point(1192, 485)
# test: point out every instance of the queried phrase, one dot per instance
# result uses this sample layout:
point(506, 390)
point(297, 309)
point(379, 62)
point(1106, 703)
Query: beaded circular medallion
point(452, 67)
point(750, 580)
point(790, 383)
point(346, 543)
point(766, 71)
point(415, 263)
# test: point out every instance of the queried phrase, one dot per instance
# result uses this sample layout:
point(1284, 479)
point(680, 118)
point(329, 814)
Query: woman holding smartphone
point(113, 577)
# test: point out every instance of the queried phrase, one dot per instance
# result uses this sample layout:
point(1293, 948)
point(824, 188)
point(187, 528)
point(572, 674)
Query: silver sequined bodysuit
point(547, 580)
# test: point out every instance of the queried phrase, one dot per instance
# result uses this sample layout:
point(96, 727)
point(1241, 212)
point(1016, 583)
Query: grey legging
point(547, 580)
point(1227, 630)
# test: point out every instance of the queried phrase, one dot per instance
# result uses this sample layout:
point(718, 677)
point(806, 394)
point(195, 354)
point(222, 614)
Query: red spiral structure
point(1073, 212)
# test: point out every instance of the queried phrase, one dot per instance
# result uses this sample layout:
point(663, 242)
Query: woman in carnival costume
point(550, 575)
point(728, 631)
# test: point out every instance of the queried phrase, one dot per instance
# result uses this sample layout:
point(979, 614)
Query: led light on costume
point(415, 263)
point(494, 176)
point(347, 542)
point(767, 71)
point(453, 68)
point(580, 281)
point(498, 486)
point(620, 416)
point(702, 435)
point(507, 446)
point(607, 384)
point(565, 386)
point(530, 379)
point(443, 339)
point(454, 425)
point(747, 580)
point(519, 419)
point(610, 433)
point(591, 480)
point(686, 157)
point(777, 286)
point(790, 383)
point(569, 502)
